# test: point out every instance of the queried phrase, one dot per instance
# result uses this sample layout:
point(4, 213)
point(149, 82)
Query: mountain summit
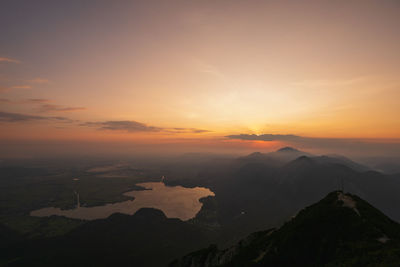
point(275, 158)
point(287, 149)
point(340, 230)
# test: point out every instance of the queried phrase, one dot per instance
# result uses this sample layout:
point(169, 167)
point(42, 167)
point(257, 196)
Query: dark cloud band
point(17, 117)
point(134, 126)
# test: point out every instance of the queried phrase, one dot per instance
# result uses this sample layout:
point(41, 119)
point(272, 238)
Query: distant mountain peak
point(287, 149)
point(302, 159)
point(256, 153)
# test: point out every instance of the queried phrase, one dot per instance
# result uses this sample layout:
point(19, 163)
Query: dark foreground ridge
point(340, 230)
point(147, 238)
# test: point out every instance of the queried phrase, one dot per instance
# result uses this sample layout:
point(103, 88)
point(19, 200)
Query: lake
point(175, 201)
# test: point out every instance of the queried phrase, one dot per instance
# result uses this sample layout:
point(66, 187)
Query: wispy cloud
point(14, 117)
point(134, 126)
point(18, 117)
point(37, 100)
point(26, 101)
point(212, 70)
point(23, 86)
point(126, 125)
point(56, 108)
point(188, 130)
point(9, 60)
point(265, 137)
point(330, 82)
point(209, 69)
point(42, 105)
point(129, 126)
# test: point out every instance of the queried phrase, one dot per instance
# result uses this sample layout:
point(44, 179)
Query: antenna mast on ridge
point(341, 184)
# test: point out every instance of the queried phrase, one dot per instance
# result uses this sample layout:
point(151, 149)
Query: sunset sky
point(201, 74)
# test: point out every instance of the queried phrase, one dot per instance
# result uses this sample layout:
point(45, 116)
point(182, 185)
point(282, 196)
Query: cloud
point(43, 106)
point(24, 86)
point(56, 108)
point(18, 117)
point(21, 87)
point(26, 101)
point(130, 126)
point(266, 137)
point(212, 70)
point(9, 60)
point(14, 117)
point(39, 81)
point(187, 130)
point(37, 100)
point(134, 126)
point(3, 89)
point(193, 130)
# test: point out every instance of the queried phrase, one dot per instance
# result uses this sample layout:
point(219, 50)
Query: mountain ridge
point(287, 154)
point(341, 229)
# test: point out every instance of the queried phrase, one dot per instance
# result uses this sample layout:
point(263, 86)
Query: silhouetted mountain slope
point(342, 160)
point(339, 230)
point(287, 154)
point(259, 191)
point(147, 238)
point(307, 179)
point(253, 192)
point(389, 165)
point(277, 158)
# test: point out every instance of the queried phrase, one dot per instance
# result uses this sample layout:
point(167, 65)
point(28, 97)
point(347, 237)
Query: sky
point(200, 75)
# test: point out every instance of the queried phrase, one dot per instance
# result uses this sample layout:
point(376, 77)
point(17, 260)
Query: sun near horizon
point(190, 75)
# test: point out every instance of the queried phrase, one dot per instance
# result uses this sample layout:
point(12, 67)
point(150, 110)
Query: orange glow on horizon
point(196, 72)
